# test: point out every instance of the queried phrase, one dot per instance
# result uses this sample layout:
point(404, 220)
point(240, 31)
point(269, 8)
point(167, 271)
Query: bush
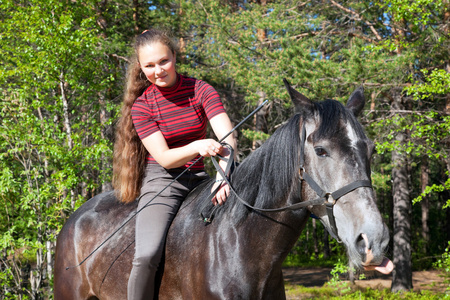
point(444, 265)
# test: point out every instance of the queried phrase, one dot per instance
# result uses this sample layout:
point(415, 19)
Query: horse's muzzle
point(370, 263)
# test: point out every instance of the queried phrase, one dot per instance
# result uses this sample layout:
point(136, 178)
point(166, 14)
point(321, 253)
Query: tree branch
point(120, 57)
point(358, 18)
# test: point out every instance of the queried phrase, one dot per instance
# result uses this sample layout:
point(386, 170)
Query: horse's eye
point(321, 152)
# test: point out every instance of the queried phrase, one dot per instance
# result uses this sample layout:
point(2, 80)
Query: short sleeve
point(210, 99)
point(143, 121)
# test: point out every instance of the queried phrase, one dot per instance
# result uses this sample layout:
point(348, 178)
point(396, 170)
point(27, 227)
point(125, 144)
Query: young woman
point(161, 132)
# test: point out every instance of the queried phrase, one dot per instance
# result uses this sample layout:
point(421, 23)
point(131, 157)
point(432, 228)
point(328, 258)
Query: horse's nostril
point(361, 244)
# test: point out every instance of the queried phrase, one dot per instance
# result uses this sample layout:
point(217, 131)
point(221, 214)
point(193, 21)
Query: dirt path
point(422, 280)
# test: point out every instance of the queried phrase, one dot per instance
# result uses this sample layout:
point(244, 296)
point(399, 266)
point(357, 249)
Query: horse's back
point(105, 273)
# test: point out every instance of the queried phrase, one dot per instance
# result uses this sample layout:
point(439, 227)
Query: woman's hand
point(222, 193)
point(224, 190)
point(207, 147)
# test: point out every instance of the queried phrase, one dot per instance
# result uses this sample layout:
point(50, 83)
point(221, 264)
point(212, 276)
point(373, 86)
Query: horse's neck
point(270, 189)
point(268, 238)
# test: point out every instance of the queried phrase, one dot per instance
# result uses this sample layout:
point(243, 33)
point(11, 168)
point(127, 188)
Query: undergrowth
point(336, 288)
point(330, 292)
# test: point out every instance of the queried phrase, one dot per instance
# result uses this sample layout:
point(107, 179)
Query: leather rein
point(329, 199)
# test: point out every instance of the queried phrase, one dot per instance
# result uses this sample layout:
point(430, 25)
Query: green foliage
point(52, 138)
point(427, 130)
point(436, 82)
point(381, 181)
point(435, 188)
point(309, 251)
point(255, 135)
point(301, 292)
point(444, 265)
point(418, 12)
point(335, 281)
point(254, 46)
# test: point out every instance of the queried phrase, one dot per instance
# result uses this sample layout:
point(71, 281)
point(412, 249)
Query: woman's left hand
point(222, 193)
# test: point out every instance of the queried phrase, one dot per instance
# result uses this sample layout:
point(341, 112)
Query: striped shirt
point(180, 112)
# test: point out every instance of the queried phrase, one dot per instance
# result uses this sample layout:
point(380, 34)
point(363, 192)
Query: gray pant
point(153, 222)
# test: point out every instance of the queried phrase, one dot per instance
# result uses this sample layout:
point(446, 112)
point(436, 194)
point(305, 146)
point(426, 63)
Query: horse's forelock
point(333, 118)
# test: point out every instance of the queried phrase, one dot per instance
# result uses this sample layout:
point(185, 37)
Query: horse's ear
point(356, 101)
point(301, 102)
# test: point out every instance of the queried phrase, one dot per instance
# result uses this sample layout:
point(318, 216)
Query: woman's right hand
point(207, 147)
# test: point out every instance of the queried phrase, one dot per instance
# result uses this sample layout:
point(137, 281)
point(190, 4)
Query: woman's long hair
point(129, 153)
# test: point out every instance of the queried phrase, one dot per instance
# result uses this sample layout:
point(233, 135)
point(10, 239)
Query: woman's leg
point(152, 224)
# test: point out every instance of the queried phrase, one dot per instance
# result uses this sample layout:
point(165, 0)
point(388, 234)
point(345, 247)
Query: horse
point(239, 253)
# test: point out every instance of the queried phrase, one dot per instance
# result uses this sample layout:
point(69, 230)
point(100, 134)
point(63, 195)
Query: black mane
point(267, 174)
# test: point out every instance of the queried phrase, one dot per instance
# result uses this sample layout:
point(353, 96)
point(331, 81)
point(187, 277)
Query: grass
point(336, 288)
point(343, 293)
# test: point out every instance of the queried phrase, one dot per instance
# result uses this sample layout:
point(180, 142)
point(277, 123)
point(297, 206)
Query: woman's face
point(158, 64)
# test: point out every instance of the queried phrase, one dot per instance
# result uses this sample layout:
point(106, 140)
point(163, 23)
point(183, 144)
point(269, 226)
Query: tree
point(50, 131)
point(402, 274)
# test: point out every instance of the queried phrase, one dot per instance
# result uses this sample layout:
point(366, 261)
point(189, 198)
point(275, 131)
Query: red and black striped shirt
point(180, 112)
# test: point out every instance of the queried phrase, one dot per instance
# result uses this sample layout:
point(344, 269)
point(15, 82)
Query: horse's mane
point(266, 174)
point(272, 171)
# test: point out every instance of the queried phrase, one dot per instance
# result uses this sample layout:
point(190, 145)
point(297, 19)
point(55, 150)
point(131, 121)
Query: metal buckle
point(330, 199)
point(301, 171)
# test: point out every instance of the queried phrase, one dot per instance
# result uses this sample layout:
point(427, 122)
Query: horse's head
point(337, 154)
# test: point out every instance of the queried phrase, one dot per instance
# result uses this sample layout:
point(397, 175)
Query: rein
point(328, 199)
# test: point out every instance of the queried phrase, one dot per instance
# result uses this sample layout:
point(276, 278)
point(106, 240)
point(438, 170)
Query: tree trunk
point(447, 198)
point(65, 102)
point(49, 245)
point(326, 245)
point(402, 274)
point(447, 65)
point(136, 16)
point(67, 126)
point(425, 205)
point(106, 163)
point(315, 238)
point(259, 120)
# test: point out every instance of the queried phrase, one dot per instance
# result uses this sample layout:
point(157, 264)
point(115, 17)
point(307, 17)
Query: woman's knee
point(150, 257)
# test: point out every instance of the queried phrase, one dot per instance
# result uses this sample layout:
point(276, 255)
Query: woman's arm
point(168, 158)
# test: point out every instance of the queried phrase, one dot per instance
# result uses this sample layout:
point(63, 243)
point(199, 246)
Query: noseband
point(329, 199)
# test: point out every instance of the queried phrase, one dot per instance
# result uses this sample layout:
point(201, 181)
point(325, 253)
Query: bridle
point(329, 199)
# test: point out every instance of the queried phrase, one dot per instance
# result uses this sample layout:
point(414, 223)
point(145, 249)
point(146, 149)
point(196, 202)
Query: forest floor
point(316, 277)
